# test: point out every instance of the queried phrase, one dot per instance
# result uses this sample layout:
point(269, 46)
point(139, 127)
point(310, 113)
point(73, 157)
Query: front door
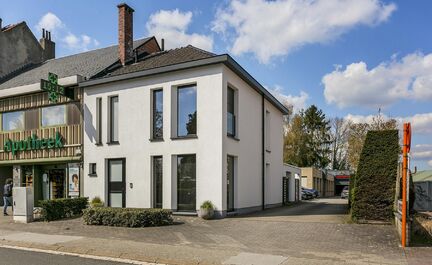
point(116, 183)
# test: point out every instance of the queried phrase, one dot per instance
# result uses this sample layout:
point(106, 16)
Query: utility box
point(23, 202)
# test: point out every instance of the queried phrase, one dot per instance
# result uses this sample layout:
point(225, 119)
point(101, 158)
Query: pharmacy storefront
point(41, 141)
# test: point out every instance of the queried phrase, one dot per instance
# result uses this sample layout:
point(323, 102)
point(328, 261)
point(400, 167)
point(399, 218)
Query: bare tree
point(339, 133)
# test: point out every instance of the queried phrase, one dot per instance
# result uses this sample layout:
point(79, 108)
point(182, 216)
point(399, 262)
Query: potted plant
point(206, 210)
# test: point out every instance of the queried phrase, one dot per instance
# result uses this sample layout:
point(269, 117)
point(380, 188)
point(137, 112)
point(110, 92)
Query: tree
point(294, 142)
point(339, 143)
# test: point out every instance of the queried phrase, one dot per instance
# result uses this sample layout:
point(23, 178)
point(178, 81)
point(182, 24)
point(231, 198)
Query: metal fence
point(423, 196)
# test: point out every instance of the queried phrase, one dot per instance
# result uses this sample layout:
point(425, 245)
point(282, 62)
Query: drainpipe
point(263, 151)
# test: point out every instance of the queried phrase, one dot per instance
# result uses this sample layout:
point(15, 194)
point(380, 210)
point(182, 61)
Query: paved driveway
point(314, 232)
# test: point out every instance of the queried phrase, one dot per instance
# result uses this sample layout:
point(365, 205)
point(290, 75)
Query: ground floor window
point(230, 183)
point(116, 183)
point(186, 183)
point(157, 182)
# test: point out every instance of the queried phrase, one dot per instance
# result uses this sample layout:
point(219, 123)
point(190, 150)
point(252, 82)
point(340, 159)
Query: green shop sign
point(33, 143)
point(54, 89)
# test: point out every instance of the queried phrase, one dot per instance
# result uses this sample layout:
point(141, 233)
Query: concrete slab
point(39, 238)
point(245, 258)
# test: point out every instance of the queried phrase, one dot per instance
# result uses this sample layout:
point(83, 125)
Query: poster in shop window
point(74, 179)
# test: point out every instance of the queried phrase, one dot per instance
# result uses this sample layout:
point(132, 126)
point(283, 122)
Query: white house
point(175, 128)
point(293, 175)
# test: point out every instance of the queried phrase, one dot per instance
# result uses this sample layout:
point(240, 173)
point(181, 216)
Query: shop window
point(231, 117)
point(73, 114)
point(92, 169)
point(53, 116)
point(31, 118)
point(186, 111)
point(113, 119)
point(157, 114)
point(13, 121)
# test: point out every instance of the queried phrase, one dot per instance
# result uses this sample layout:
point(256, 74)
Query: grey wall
point(423, 196)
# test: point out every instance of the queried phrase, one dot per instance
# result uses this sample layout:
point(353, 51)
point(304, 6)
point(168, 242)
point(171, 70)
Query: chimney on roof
point(125, 33)
point(47, 45)
point(163, 44)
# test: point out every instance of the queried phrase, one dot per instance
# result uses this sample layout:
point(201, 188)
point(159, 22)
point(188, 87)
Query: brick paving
point(314, 232)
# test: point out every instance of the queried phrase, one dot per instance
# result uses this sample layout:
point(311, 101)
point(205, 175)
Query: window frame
point(98, 121)
point(110, 120)
point(153, 112)
point(15, 130)
point(178, 88)
point(92, 170)
point(234, 125)
point(56, 125)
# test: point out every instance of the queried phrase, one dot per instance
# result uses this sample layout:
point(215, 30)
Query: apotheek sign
point(33, 143)
point(54, 89)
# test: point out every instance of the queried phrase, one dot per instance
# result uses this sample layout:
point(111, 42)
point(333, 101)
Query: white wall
point(295, 174)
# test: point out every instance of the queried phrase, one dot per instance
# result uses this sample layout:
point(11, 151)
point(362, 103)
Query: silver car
point(345, 192)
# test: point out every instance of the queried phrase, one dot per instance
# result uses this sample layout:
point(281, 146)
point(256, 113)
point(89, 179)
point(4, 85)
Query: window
point(231, 118)
point(31, 118)
point(114, 119)
point(98, 120)
point(157, 114)
point(230, 183)
point(92, 169)
point(53, 115)
point(267, 131)
point(13, 121)
point(157, 182)
point(73, 114)
point(186, 183)
point(186, 111)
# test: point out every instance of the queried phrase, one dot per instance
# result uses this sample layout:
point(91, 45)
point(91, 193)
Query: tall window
point(231, 118)
point(98, 120)
point(53, 115)
point(157, 182)
point(12, 121)
point(267, 130)
point(186, 111)
point(186, 183)
point(230, 183)
point(158, 114)
point(114, 119)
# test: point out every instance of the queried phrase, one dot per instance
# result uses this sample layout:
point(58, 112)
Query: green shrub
point(207, 205)
point(96, 202)
point(127, 217)
point(62, 208)
point(374, 185)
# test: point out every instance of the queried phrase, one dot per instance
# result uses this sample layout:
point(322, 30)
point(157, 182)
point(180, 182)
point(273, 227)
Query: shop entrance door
point(116, 183)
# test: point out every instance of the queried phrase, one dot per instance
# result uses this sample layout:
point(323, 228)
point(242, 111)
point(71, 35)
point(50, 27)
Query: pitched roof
point(164, 58)
point(425, 175)
point(86, 64)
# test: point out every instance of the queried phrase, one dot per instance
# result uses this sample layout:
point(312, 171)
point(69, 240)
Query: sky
point(350, 58)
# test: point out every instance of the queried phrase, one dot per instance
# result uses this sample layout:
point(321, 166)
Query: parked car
point(314, 192)
point(345, 192)
point(306, 194)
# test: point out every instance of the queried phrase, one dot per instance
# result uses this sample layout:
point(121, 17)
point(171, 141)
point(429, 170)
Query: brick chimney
point(125, 33)
point(47, 45)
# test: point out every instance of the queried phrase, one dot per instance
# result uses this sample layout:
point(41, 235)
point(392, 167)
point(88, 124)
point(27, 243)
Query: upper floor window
point(53, 115)
point(157, 111)
point(13, 121)
point(231, 118)
point(113, 119)
point(186, 110)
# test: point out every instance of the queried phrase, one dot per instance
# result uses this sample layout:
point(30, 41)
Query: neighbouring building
point(341, 179)
point(315, 178)
point(41, 122)
point(423, 190)
point(175, 128)
point(292, 184)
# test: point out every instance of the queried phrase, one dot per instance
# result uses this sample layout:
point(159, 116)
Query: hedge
point(62, 208)
point(375, 180)
point(127, 217)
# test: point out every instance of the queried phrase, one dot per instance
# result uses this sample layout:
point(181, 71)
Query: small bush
point(207, 205)
point(96, 202)
point(62, 208)
point(127, 217)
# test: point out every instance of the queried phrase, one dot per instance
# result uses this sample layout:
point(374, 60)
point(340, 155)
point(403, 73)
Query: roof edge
point(223, 59)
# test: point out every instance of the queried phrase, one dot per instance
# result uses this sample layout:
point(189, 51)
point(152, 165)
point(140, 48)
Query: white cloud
point(275, 28)
point(420, 123)
point(172, 26)
point(62, 33)
point(298, 102)
point(422, 152)
point(387, 83)
point(430, 163)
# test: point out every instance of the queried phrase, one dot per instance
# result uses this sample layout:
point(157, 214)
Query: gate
point(285, 190)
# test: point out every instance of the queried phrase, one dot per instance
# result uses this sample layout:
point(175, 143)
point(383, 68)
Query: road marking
point(245, 258)
point(86, 256)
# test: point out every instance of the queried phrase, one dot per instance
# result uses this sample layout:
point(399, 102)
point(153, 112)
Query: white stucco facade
point(211, 146)
point(293, 174)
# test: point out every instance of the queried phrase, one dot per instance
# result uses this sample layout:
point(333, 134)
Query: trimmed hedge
point(62, 208)
point(374, 185)
point(127, 217)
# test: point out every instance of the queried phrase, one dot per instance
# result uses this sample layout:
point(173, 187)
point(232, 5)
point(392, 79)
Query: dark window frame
point(92, 169)
point(111, 120)
point(231, 92)
point(123, 182)
point(98, 121)
point(192, 135)
point(157, 204)
point(154, 110)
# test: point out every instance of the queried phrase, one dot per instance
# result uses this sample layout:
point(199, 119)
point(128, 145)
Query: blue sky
point(350, 58)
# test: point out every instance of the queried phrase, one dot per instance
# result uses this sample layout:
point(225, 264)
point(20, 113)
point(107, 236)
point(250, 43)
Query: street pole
point(405, 151)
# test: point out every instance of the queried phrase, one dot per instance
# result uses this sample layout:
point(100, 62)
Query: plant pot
point(206, 213)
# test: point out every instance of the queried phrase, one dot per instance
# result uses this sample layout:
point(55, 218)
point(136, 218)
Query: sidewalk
point(273, 237)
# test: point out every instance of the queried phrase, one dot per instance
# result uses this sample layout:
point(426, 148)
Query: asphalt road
point(22, 257)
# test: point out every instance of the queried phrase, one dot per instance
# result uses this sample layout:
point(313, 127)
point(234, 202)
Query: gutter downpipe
point(263, 151)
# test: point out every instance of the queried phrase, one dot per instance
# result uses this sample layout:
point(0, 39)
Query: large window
point(13, 121)
point(186, 111)
point(114, 119)
point(53, 115)
point(231, 118)
point(157, 182)
point(230, 183)
point(157, 114)
point(186, 183)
